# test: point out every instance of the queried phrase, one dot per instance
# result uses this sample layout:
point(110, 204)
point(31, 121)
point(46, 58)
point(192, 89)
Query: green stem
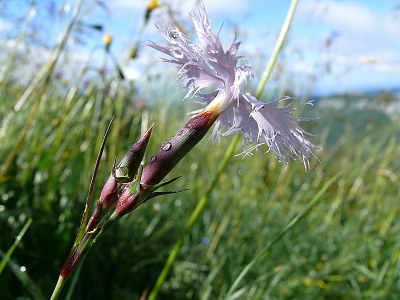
point(202, 203)
point(74, 280)
point(58, 288)
point(85, 245)
point(277, 49)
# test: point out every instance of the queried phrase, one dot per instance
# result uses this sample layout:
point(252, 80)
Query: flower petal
point(205, 66)
point(266, 123)
point(212, 73)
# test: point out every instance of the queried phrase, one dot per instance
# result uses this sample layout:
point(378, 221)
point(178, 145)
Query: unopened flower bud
point(151, 5)
point(127, 201)
point(108, 198)
point(97, 27)
point(128, 167)
point(125, 172)
point(135, 194)
point(107, 39)
point(109, 191)
point(173, 151)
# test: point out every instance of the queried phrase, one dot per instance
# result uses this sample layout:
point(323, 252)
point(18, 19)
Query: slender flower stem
point(89, 233)
point(76, 258)
point(58, 288)
point(202, 203)
point(278, 47)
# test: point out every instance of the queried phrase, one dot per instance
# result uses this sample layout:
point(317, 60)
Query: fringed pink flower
point(212, 73)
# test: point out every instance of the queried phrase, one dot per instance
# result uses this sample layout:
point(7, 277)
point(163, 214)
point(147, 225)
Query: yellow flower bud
point(107, 39)
point(153, 4)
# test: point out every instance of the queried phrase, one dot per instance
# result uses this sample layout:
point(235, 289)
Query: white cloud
point(354, 19)
point(131, 4)
point(5, 25)
point(360, 31)
point(213, 6)
point(353, 16)
point(132, 73)
point(227, 7)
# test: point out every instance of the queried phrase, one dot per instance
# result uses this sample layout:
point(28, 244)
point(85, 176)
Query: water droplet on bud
point(153, 158)
point(166, 146)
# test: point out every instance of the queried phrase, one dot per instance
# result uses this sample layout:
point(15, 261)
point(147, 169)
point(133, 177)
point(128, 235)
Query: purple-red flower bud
point(127, 201)
point(124, 172)
point(128, 167)
point(108, 198)
point(109, 193)
point(173, 151)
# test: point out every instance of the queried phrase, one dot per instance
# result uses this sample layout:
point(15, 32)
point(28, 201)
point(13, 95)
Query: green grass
point(347, 247)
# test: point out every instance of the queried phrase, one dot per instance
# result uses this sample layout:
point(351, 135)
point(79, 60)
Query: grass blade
point(25, 279)
point(315, 200)
point(18, 239)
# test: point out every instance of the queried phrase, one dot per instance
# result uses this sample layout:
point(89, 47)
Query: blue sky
point(339, 46)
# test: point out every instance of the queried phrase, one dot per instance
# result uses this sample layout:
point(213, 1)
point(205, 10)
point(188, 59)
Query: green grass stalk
point(18, 239)
point(202, 203)
point(277, 49)
point(41, 82)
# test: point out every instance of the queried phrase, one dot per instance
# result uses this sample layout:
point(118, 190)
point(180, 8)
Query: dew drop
point(205, 240)
point(180, 132)
point(153, 158)
point(156, 206)
point(22, 269)
point(166, 146)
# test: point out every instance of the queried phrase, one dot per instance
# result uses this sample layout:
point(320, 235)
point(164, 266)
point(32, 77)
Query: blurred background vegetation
point(53, 115)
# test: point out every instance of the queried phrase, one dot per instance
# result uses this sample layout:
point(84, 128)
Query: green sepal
point(135, 185)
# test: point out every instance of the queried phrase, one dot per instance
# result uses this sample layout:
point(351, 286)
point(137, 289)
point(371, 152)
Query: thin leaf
point(18, 239)
point(25, 279)
point(92, 182)
point(74, 280)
